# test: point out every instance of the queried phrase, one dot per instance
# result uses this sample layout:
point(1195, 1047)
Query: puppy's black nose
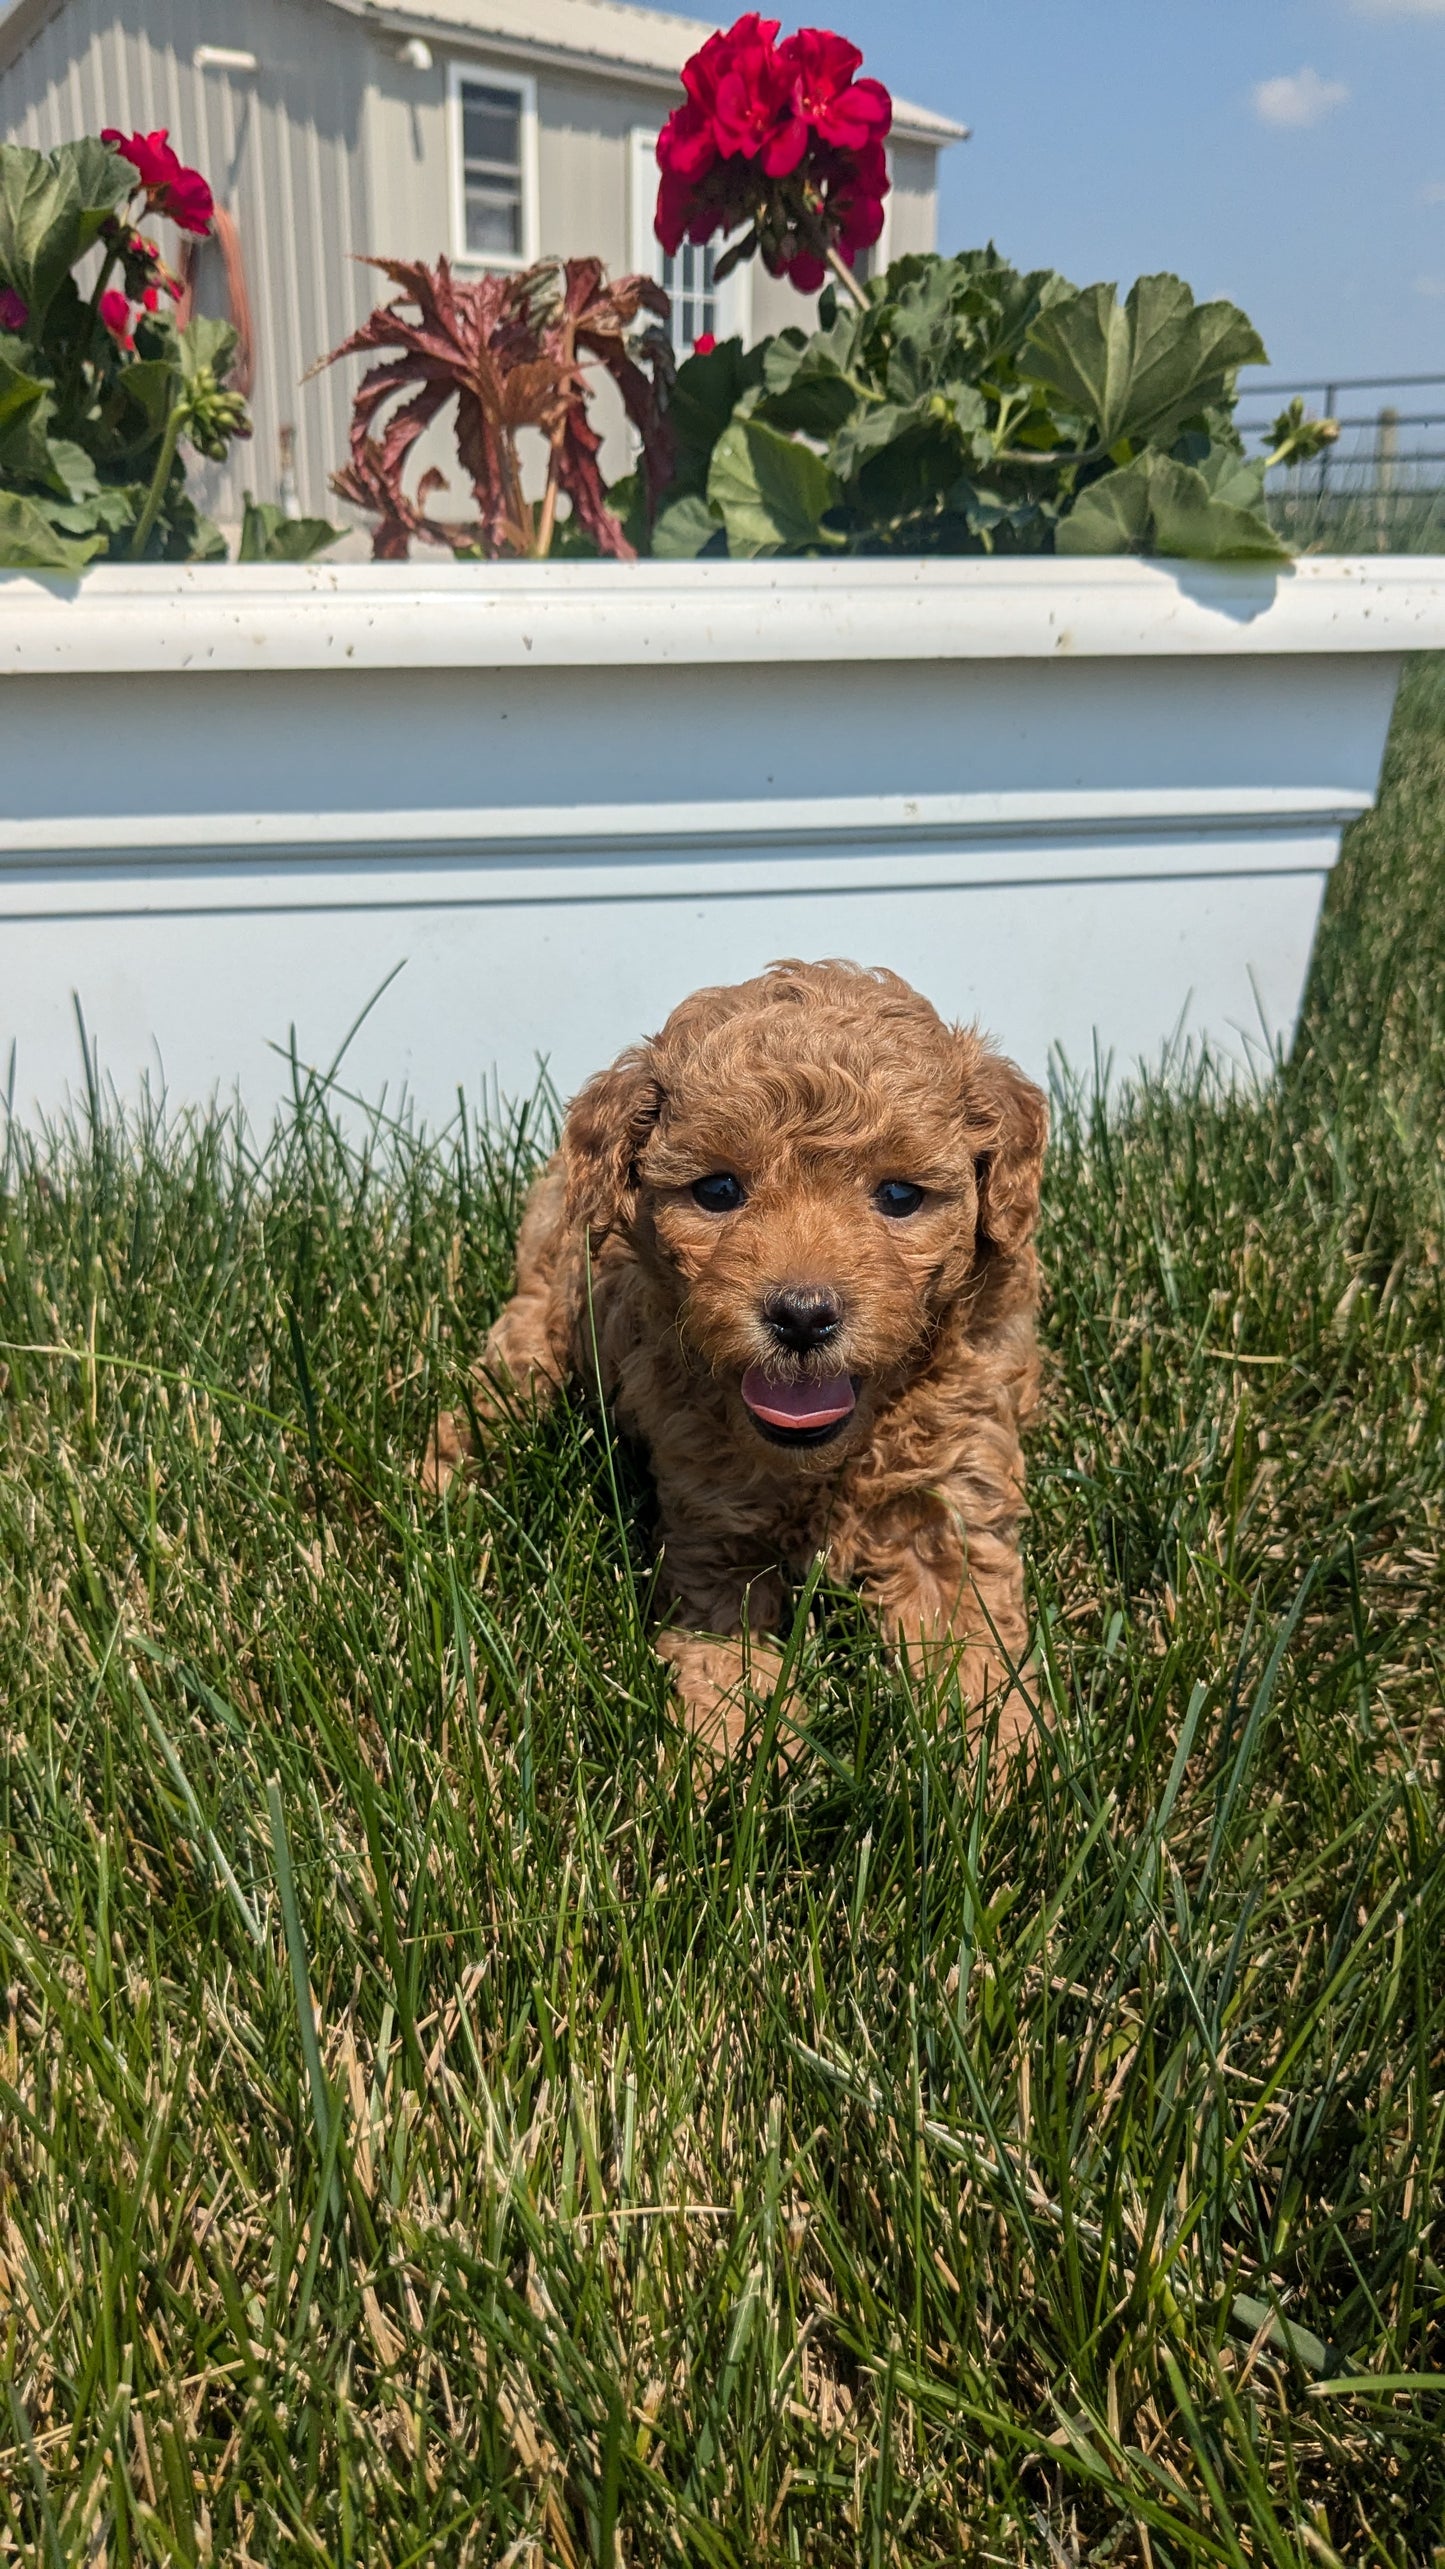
point(802, 1317)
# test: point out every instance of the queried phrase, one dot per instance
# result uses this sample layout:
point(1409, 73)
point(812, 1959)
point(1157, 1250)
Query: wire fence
point(1381, 488)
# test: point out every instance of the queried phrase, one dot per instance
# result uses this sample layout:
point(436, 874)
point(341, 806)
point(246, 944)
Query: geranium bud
point(114, 312)
point(14, 310)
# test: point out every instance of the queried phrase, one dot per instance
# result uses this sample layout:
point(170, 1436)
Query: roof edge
point(24, 21)
point(910, 124)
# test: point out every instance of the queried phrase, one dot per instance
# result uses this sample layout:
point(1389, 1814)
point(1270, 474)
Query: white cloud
point(1434, 194)
point(1297, 98)
point(1433, 286)
point(1398, 8)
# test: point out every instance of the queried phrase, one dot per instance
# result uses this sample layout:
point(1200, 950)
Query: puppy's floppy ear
point(606, 1130)
point(1011, 1120)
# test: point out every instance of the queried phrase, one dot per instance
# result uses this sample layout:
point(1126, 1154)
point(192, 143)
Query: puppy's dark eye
point(897, 1198)
point(719, 1194)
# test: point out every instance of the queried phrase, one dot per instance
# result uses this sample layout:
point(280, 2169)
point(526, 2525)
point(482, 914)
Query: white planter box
point(1094, 804)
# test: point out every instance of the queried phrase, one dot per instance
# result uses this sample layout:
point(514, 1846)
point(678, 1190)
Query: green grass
point(435, 2128)
point(1343, 518)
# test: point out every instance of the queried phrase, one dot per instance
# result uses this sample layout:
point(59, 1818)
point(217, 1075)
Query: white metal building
point(494, 130)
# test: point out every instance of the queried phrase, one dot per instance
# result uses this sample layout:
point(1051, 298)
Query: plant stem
point(520, 512)
point(568, 374)
point(845, 277)
point(1051, 455)
point(85, 343)
point(543, 545)
point(159, 478)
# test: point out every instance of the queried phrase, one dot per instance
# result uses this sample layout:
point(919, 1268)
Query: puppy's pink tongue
point(806, 1404)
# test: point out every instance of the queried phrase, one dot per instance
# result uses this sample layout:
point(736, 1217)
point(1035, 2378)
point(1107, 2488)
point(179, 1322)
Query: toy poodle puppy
point(791, 1238)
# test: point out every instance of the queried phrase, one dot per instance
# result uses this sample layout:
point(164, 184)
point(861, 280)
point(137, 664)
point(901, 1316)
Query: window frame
point(471, 73)
point(734, 296)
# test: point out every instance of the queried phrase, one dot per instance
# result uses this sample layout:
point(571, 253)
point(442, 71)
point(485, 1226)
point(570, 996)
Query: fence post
point(1387, 449)
point(1330, 411)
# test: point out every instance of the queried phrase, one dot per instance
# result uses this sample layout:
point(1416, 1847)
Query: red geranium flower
point(779, 143)
point(14, 310)
point(704, 70)
point(170, 187)
point(687, 145)
point(115, 314)
point(704, 344)
point(839, 108)
point(754, 114)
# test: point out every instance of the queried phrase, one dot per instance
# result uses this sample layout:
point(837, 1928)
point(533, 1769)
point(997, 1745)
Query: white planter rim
point(224, 618)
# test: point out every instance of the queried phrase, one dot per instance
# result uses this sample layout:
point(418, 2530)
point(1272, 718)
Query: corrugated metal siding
point(282, 151)
point(408, 164)
point(913, 205)
point(585, 154)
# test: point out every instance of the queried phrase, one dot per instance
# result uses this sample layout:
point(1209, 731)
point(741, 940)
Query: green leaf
point(1204, 525)
point(770, 491)
point(1231, 475)
point(1000, 522)
point(25, 410)
point(30, 542)
point(868, 432)
point(110, 510)
point(1084, 352)
point(704, 397)
point(1111, 516)
point(951, 417)
point(815, 404)
point(152, 386)
point(20, 390)
point(204, 541)
point(207, 344)
point(78, 476)
point(806, 382)
point(684, 528)
point(1142, 368)
point(52, 205)
point(269, 535)
point(103, 179)
point(1156, 505)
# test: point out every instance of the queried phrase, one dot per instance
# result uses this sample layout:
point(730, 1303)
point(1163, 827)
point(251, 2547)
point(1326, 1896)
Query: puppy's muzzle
point(806, 1404)
point(803, 1317)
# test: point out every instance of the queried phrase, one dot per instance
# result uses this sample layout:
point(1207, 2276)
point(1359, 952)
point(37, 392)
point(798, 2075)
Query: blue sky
point(1290, 153)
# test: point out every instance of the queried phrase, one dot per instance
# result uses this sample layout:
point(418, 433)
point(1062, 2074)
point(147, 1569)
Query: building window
point(688, 280)
point(699, 304)
point(494, 125)
point(491, 169)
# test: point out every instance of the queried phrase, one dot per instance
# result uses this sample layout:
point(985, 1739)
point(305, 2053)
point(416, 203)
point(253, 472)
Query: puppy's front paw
point(993, 1690)
point(447, 1447)
point(721, 1685)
